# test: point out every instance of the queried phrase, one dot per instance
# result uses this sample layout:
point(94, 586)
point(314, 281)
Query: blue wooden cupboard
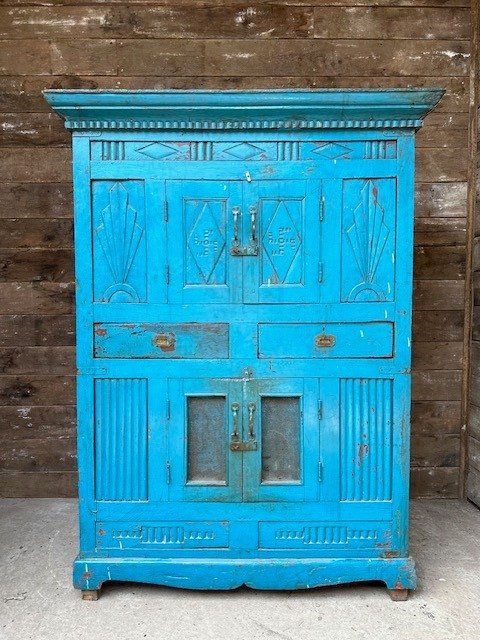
point(244, 284)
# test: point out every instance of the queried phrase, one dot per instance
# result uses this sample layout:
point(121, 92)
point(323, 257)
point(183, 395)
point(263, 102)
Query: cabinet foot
point(398, 595)
point(90, 594)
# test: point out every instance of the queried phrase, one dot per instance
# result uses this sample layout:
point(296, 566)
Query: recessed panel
point(368, 240)
point(282, 254)
point(281, 432)
point(121, 439)
point(205, 239)
point(206, 440)
point(366, 423)
point(119, 241)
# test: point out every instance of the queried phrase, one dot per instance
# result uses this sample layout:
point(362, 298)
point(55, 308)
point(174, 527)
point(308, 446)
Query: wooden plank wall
point(214, 44)
point(472, 443)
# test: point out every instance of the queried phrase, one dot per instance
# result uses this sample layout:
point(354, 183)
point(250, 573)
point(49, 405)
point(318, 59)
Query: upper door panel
point(129, 241)
point(200, 231)
point(368, 240)
point(285, 217)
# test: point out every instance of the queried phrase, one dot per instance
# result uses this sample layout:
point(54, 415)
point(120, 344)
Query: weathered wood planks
point(215, 44)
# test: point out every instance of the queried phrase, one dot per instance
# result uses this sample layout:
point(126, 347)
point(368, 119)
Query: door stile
point(156, 223)
point(329, 440)
point(330, 256)
point(158, 410)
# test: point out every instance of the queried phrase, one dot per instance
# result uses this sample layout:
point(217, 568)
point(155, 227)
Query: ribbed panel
point(201, 150)
point(380, 149)
point(289, 150)
point(121, 439)
point(113, 150)
point(366, 439)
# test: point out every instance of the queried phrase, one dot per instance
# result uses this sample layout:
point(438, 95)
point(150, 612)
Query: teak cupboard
point(244, 277)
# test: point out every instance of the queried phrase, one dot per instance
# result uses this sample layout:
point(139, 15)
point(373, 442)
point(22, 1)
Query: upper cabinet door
point(203, 216)
point(282, 417)
point(283, 219)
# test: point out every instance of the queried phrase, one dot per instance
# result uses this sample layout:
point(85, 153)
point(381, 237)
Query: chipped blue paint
point(244, 276)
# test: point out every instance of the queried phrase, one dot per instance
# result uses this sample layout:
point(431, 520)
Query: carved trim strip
point(240, 124)
point(163, 535)
point(289, 150)
point(325, 534)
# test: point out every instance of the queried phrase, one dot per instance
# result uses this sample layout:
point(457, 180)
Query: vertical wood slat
point(366, 438)
point(121, 439)
point(469, 484)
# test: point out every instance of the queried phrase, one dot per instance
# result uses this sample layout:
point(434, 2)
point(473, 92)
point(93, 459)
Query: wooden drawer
point(161, 340)
point(330, 340)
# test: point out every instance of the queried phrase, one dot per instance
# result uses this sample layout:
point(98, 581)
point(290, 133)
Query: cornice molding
point(244, 110)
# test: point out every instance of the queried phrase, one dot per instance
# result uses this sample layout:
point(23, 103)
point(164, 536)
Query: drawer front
point(161, 340)
point(330, 340)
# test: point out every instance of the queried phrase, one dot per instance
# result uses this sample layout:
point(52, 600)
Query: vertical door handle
point(236, 213)
point(253, 229)
point(251, 426)
point(235, 410)
point(235, 443)
point(250, 249)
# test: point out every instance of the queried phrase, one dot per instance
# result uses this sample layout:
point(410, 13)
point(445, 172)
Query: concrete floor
point(38, 542)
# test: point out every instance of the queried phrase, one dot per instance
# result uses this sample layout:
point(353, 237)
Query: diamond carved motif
point(281, 241)
point(157, 150)
point(244, 151)
point(206, 242)
point(332, 150)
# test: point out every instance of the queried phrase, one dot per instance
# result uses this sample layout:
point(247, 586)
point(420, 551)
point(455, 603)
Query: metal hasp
point(225, 243)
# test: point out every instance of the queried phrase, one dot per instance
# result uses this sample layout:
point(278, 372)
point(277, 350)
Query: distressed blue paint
point(161, 340)
point(243, 335)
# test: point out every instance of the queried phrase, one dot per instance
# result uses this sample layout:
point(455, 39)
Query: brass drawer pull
point(323, 340)
point(165, 341)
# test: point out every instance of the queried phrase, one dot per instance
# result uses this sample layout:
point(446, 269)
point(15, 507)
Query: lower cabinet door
point(282, 417)
point(203, 416)
point(250, 441)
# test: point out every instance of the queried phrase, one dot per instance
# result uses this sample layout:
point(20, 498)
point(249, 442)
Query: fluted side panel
point(366, 439)
point(121, 439)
